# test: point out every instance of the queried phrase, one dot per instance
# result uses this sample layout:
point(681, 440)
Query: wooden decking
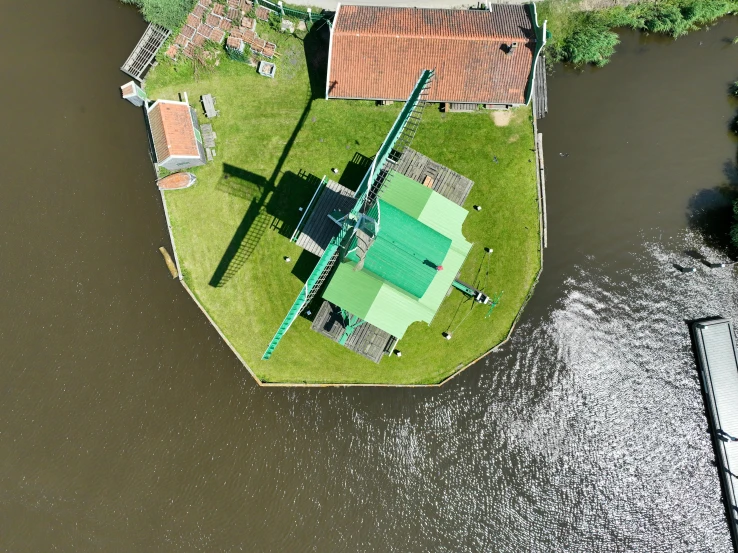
point(540, 89)
point(208, 136)
point(319, 229)
point(446, 182)
point(367, 340)
point(145, 51)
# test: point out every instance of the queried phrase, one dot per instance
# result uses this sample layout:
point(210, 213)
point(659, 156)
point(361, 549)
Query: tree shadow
point(355, 171)
point(710, 212)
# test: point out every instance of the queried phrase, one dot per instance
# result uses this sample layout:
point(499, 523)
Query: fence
point(292, 12)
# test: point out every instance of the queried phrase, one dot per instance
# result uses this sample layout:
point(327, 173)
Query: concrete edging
point(540, 192)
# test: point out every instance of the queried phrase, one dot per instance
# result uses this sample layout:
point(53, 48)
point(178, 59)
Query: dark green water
point(127, 425)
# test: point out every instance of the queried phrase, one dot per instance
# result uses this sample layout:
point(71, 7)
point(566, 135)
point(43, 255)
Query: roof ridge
point(442, 37)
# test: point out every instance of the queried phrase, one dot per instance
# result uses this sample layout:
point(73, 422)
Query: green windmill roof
point(399, 282)
point(405, 252)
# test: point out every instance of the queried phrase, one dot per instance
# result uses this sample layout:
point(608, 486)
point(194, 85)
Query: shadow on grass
point(240, 182)
point(355, 170)
point(315, 44)
point(242, 245)
point(281, 194)
point(294, 192)
point(305, 265)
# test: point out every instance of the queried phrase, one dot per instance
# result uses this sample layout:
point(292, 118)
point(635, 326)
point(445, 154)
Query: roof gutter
point(330, 50)
point(541, 38)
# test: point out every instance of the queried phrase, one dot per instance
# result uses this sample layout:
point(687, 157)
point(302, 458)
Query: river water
point(127, 425)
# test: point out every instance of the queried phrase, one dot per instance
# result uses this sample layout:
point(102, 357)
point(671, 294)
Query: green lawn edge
point(271, 138)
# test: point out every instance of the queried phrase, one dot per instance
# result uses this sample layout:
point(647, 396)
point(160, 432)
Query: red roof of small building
point(378, 53)
point(172, 130)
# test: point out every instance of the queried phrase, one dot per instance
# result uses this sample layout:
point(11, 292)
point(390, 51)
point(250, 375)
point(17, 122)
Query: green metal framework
point(365, 198)
point(351, 323)
point(308, 16)
point(542, 36)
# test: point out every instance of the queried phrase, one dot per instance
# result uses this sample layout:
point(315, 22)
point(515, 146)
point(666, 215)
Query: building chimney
point(511, 48)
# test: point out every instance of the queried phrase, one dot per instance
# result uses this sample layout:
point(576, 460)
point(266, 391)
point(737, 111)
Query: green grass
point(269, 132)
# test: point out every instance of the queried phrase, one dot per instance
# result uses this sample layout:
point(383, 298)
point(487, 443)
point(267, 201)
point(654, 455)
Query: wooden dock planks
point(367, 340)
point(446, 182)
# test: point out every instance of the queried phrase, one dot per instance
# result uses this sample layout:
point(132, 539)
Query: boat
point(176, 181)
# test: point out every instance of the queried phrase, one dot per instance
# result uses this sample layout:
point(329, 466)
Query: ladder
point(412, 124)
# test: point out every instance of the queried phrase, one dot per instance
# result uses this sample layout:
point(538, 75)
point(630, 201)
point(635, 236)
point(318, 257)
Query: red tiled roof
point(172, 51)
point(127, 89)
point(199, 40)
point(246, 5)
point(189, 50)
point(172, 130)
point(198, 12)
point(206, 3)
point(204, 30)
point(212, 20)
point(219, 9)
point(192, 21)
point(181, 40)
point(378, 53)
point(234, 14)
point(262, 13)
point(225, 24)
point(233, 3)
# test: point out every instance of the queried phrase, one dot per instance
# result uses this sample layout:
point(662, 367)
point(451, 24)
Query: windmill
point(363, 221)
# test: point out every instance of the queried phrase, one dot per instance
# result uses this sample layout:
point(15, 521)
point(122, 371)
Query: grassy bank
point(581, 37)
point(274, 144)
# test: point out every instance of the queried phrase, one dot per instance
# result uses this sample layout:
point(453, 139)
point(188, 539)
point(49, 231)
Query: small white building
point(175, 136)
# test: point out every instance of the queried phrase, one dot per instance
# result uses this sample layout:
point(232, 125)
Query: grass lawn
point(274, 143)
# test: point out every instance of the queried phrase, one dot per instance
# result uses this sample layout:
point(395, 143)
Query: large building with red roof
point(479, 56)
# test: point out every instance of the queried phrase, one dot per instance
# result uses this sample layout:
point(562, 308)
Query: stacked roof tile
point(378, 53)
point(217, 35)
point(219, 20)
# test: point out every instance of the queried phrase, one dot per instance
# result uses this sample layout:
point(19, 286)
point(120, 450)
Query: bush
point(167, 13)
point(592, 43)
point(587, 37)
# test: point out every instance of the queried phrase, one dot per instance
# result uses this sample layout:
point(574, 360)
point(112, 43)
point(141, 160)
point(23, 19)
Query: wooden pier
point(145, 51)
point(715, 349)
point(540, 90)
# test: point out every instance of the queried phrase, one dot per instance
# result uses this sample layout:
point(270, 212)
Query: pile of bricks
point(211, 21)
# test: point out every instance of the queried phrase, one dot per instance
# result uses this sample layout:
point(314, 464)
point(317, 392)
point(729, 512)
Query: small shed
point(174, 133)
